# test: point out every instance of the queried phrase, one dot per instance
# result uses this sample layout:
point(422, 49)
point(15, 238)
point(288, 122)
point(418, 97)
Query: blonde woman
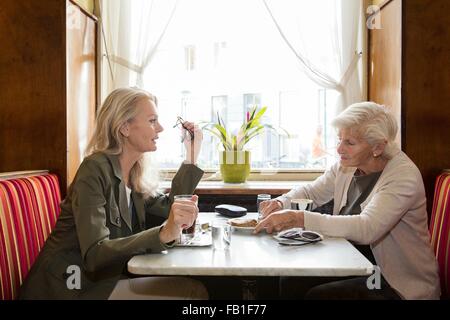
point(113, 212)
point(379, 204)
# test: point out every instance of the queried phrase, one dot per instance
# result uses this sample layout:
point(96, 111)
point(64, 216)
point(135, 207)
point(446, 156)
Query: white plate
point(241, 228)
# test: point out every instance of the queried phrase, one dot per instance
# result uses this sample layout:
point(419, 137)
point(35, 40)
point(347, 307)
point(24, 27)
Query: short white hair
point(373, 122)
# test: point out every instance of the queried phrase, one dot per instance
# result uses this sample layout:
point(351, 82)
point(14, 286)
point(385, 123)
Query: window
point(189, 56)
point(226, 57)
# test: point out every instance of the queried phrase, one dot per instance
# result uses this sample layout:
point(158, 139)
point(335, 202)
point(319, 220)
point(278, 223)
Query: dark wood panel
point(426, 87)
point(425, 80)
point(32, 82)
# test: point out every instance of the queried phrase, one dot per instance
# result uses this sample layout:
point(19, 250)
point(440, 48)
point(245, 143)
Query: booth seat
point(440, 230)
point(29, 208)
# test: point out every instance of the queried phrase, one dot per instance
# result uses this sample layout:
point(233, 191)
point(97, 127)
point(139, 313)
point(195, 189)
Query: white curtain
point(325, 37)
point(132, 31)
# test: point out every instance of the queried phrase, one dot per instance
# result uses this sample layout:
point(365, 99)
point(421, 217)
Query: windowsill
point(278, 175)
point(247, 188)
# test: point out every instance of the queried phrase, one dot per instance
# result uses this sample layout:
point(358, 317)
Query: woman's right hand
point(269, 206)
point(192, 149)
point(182, 213)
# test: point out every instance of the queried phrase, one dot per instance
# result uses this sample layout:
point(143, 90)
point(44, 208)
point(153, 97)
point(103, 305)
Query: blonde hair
point(373, 122)
point(118, 108)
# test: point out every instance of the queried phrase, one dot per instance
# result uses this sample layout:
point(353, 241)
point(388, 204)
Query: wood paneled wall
point(47, 85)
point(426, 87)
point(33, 86)
point(424, 76)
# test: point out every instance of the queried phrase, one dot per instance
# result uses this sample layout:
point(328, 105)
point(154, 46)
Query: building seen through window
point(225, 57)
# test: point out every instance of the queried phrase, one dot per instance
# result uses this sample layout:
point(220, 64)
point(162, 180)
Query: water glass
point(221, 235)
point(188, 232)
point(261, 198)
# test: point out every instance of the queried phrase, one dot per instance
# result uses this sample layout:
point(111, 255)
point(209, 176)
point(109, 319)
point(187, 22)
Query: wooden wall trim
point(87, 13)
point(384, 66)
point(384, 4)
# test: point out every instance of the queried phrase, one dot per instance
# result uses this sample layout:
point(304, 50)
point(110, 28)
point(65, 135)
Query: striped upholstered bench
point(440, 230)
point(29, 207)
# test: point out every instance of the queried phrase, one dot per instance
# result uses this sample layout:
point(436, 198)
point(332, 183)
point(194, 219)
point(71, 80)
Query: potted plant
point(234, 160)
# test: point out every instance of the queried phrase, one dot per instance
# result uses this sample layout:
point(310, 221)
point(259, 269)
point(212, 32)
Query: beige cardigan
point(393, 221)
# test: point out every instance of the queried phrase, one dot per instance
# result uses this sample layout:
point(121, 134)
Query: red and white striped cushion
point(29, 208)
point(440, 230)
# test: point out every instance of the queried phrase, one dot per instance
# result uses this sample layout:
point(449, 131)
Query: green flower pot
point(234, 166)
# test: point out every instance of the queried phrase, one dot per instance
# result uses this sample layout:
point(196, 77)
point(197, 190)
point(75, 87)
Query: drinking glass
point(221, 235)
point(261, 198)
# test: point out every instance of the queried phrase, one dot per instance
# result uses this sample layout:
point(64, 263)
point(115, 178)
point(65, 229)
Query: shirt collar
point(114, 160)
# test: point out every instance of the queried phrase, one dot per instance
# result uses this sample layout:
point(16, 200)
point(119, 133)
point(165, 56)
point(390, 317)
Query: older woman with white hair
point(113, 211)
point(379, 204)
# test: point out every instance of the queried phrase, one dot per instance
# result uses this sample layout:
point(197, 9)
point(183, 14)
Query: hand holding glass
point(188, 231)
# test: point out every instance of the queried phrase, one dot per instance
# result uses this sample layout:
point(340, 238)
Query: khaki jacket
point(93, 231)
point(393, 221)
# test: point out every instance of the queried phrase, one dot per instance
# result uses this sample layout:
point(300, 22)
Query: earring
point(375, 155)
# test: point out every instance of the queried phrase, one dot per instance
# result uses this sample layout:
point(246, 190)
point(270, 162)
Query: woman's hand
point(281, 220)
point(182, 213)
point(269, 206)
point(192, 149)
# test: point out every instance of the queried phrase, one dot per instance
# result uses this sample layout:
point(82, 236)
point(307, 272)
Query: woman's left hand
point(192, 149)
point(281, 220)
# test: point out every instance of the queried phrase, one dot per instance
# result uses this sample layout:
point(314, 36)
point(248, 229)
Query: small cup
point(259, 199)
point(301, 204)
point(221, 235)
point(188, 232)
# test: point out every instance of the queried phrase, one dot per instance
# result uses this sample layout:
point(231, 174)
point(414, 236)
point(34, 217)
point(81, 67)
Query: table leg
point(249, 289)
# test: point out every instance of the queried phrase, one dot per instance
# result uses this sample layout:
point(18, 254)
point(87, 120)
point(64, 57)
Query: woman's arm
point(89, 211)
point(398, 194)
point(320, 190)
point(185, 181)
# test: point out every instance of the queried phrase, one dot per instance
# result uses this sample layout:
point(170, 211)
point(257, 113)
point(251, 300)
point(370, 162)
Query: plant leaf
point(260, 113)
point(253, 134)
point(223, 139)
point(276, 129)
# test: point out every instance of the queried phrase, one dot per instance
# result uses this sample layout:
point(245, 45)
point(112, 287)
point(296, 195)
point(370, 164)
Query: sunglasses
point(300, 235)
point(187, 132)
